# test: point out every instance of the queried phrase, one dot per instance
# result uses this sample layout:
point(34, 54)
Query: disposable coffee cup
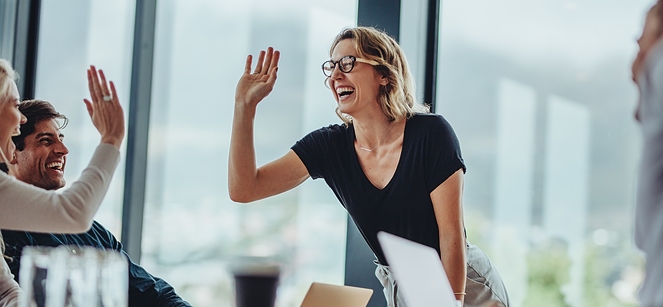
point(256, 281)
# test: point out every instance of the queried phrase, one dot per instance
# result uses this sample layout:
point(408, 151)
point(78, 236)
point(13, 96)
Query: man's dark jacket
point(144, 289)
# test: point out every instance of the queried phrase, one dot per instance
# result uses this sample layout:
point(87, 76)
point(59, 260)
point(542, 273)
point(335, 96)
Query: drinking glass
point(68, 276)
point(42, 277)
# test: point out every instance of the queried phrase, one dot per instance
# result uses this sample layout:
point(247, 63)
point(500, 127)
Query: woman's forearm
point(453, 260)
point(242, 168)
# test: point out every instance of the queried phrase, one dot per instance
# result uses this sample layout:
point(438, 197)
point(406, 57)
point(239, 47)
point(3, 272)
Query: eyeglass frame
point(354, 60)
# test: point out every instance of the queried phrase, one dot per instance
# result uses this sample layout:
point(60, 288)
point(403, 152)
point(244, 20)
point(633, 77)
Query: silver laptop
point(418, 272)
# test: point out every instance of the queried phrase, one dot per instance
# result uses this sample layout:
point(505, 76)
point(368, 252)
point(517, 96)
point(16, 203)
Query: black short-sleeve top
point(431, 154)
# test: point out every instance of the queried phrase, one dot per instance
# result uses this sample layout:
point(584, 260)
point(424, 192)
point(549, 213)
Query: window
point(541, 98)
point(191, 228)
point(73, 35)
point(7, 21)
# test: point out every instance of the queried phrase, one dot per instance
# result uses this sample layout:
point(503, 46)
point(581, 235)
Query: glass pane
point(541, 98)
point(7, 28)
point(191, 228)
point(73, 35)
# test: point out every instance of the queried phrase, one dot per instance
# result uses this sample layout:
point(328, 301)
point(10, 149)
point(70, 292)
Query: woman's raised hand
point(105, 109)
point(253, 87)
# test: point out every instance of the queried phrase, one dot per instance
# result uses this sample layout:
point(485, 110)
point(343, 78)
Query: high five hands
point(253, 87)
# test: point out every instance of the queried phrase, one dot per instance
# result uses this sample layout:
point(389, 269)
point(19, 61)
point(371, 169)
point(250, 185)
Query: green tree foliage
point(548, 267)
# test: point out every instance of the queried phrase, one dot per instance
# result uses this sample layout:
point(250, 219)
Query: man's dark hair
point(36, 111)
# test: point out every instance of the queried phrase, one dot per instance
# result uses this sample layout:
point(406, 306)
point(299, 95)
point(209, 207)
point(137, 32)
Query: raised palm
point(253, 87)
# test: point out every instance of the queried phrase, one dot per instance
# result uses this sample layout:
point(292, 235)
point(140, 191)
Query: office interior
point(539, 94)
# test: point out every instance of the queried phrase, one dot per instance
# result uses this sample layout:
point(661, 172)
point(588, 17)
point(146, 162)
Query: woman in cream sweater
point(28, 208)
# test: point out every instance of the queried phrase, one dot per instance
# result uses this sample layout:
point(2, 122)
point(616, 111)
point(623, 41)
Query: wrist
point(243, 108)
point(115, 141)
point(460, 296)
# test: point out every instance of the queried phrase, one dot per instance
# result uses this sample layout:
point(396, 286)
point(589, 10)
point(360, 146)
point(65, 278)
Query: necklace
point(380, 142)
point(366, 149)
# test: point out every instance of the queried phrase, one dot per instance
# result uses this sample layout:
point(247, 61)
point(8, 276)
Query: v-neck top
point(430, 154)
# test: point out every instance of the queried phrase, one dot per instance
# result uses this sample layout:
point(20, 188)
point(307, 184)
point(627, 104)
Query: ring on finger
point(107, 98)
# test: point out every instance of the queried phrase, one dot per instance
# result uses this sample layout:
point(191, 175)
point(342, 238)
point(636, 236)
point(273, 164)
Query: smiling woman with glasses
point(394, 166)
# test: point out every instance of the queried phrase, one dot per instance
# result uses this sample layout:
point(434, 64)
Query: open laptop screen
point(418, 271)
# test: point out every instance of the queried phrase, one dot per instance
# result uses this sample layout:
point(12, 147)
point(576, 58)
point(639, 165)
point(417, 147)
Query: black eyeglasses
point(345, 64)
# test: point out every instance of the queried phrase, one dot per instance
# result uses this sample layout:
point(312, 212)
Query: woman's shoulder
point(428, 121)
point(331, 130)
point(336, 128)
point(325, 136)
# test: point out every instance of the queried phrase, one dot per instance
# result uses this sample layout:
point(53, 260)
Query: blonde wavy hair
point(397, 99)
point(7, 75)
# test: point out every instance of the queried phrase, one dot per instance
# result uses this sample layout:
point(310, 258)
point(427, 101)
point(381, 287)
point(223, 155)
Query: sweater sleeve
point(9, 290)
point(29, 208)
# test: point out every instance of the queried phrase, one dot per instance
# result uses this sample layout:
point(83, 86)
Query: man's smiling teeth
point(344, 91)
point(55, 165)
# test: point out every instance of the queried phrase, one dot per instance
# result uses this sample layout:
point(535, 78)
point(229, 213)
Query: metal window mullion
point(138, 127)
point(26, 39)
point(432, 44)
